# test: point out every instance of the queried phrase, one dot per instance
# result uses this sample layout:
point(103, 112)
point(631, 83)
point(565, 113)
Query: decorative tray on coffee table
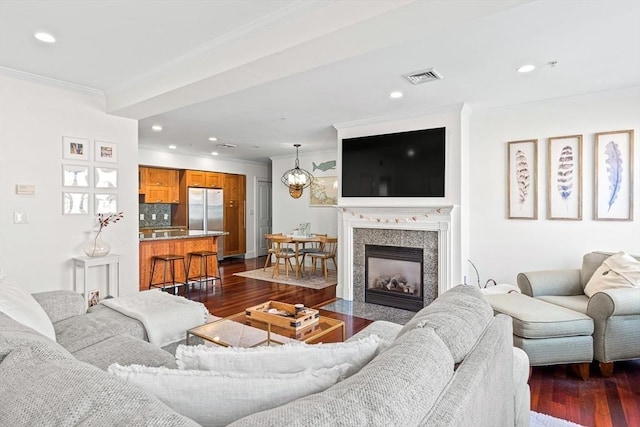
point(283, 315)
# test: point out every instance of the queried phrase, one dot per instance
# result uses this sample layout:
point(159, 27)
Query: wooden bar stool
point(168, 261)
point(204, 278)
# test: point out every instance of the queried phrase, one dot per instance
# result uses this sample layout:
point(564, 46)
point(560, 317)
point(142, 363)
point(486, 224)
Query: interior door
point(263, 216)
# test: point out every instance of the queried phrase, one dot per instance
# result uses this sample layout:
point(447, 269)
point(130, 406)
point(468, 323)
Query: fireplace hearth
point(394, 276)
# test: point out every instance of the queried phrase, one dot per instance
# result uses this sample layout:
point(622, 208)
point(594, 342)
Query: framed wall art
point(324, 191)
point(75, 148)
point(564, 177)
point(522, 179)
point(106, 177)
point(106, 203)
point(106, 151)
point(75, 175)
point(75, 203)
point(613, 189)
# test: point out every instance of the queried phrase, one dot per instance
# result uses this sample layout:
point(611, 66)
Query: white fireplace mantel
point(437, 218)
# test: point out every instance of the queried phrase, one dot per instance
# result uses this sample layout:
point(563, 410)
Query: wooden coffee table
point(238, 331)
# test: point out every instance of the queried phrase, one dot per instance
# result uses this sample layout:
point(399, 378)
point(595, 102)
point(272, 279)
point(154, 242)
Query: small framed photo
point(613, 198)
point(75, 203)
point(105, 151)
point(94, 298)
point(75, 148)
point(106, 203)
point(106, 177)
point(522, 179)
point(564, 179)
point(75, 176)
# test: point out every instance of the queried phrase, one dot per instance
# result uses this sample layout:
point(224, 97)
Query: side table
point(111, 263)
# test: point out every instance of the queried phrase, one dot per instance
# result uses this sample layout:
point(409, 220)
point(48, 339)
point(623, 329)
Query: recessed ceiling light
point(395, 95)
point(526, 68)
point(173, 147)
point(214, 153)
point(213, 138)
point(157, 128)
point(45, 37)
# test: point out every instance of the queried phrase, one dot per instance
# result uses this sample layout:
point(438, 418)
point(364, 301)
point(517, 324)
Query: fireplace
point(394, 276)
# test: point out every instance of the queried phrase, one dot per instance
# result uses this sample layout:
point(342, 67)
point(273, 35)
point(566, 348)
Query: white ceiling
point(267, 74)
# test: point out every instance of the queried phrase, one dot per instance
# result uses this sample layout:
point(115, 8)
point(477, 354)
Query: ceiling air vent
point(227, 145)
point(423, 76)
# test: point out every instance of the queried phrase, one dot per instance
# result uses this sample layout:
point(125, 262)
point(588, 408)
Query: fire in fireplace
point(394, 276)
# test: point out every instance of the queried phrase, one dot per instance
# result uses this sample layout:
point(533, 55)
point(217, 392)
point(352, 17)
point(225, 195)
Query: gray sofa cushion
point(41, 389)
point(60, 305)
point(459, 316)
point(577, 303)
point(125, 350)
point(397, 388)
point(14, 334)
point(78, 332)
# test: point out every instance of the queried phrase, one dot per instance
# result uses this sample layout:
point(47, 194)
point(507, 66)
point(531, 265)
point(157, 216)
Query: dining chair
point(270, 248)
point(315, 247)
point(283, 249)
point(330, 245)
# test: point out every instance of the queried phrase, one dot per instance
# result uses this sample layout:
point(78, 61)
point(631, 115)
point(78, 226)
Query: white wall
point(502, 247)
point(288, 212)
point(253, 171)
point(33, 119)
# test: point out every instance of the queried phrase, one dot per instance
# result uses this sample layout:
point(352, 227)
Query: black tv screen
point(404, 164)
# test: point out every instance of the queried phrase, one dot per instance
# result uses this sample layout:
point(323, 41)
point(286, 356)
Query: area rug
point(544, 420)
point(307, 281)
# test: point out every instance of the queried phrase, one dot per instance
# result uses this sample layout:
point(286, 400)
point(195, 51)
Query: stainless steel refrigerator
point(206, 212)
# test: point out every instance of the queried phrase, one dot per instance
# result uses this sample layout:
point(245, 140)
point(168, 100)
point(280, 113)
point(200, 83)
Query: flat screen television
point(403, 164)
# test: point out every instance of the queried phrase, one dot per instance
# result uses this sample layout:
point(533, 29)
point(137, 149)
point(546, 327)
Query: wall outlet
point(153, 216)
point(20, 217)
point(166, 216)
point(141, 217)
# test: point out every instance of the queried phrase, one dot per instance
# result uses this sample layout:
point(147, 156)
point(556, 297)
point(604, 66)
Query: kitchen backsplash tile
point(160, 210)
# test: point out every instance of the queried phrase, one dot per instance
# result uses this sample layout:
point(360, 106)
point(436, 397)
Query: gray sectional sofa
point(453, 364)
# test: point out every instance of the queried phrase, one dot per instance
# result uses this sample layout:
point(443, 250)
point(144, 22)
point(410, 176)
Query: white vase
point(96, 247)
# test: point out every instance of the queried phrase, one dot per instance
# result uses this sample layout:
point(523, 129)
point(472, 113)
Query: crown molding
point(36, 78)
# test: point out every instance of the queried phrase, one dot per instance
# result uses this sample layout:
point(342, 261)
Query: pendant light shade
point(296, 179)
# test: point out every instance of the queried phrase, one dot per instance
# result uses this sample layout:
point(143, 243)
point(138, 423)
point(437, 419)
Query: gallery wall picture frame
point(522, 179)
point(564, 177)
point(613, 174)
point(323, 191)
point(75, 203)
point(75, 176)
point(105, 177)
point(106, 203)
point(75, 148)
point(105, 152)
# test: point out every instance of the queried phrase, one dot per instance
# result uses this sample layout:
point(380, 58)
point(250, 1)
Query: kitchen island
point(174, 242)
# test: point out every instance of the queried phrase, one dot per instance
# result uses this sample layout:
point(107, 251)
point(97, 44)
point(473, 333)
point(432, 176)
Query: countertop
point(179, 234)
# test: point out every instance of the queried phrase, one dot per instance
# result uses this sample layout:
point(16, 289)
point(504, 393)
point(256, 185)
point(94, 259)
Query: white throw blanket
point(165, 317)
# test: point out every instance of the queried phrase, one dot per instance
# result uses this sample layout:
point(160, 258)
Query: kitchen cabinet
point(235, 243)
point(159, 185)
point(204, 179)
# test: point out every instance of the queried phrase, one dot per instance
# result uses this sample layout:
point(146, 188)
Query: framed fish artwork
point(522, 179)
point(564, 177)
point(613, 198)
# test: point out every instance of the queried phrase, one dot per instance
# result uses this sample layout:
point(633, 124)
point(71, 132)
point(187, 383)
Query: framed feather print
point(564, 177)
point(613, 198)
point(522, 179)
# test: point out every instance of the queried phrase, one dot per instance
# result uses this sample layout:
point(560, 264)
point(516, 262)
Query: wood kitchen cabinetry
point(235, 243)
point(204, 179)
point(159, 185)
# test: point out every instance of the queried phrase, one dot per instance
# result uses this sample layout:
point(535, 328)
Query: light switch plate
point(141, 217)
point(153, 216)
point(166, 216)
point(20, 217)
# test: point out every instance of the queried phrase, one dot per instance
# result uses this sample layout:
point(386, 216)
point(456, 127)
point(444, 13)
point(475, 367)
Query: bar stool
point(204, 277)
point(168, 260)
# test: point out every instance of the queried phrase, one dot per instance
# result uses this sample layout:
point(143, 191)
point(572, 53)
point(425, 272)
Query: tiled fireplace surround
point(427, 228)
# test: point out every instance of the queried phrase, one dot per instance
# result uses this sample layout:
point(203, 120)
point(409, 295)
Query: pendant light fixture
point(296, 179)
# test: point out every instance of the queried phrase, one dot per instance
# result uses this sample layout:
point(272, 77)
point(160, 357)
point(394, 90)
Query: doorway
point(263, 215)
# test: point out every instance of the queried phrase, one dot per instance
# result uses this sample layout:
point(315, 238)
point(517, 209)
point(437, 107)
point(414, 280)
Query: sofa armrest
point(550, 282)
point(60, 305)
point(614, 302)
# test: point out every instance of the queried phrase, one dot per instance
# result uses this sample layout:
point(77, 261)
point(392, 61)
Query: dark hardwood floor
point(555, 390)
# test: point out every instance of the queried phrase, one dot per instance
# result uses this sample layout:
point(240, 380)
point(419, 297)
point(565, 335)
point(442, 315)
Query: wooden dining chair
point(284, 250)
point(270, 248)
point(315, 247)
point(330, 245)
